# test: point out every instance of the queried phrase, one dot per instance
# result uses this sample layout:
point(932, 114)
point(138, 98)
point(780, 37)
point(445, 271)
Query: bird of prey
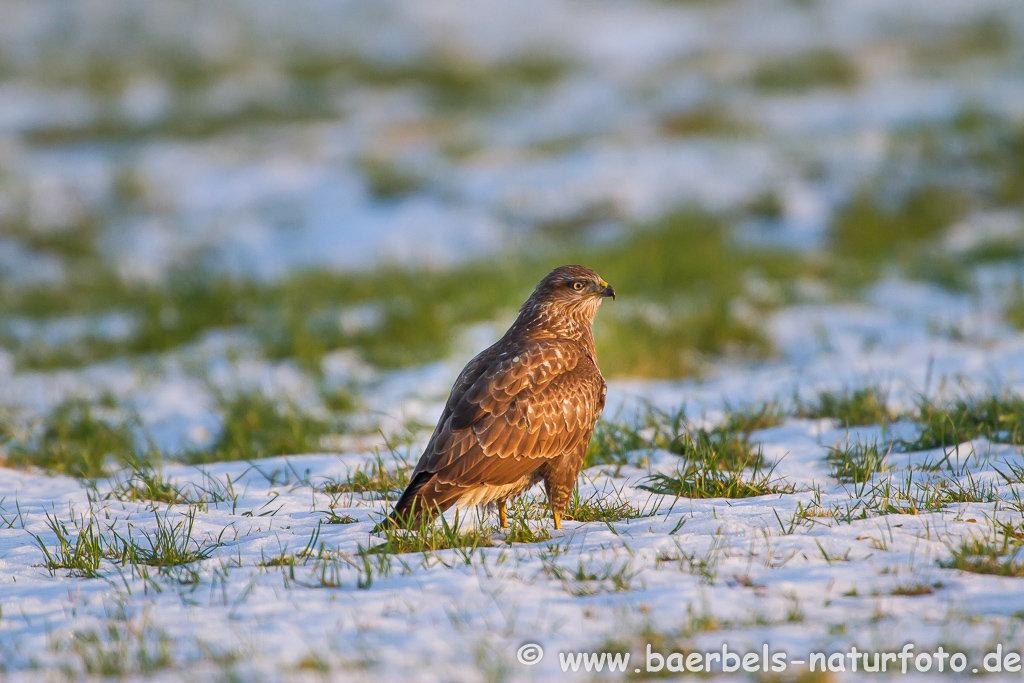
point(521, 412)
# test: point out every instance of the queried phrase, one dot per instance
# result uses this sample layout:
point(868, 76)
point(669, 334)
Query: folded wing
point(509, 412)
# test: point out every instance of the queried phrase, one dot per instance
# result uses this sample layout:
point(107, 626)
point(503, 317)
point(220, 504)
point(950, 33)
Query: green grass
point(975, 143)
point(171, 544)
point(282, 560)
point(985, 36)
point(38, 355)
point(867, 229)
point(716, 449)
point(856, 463)
point(709, 119)
point(689, 270)
point(522, 524)
point(145, 484)
point(914, 589)
point(386, 180)
point(997, 555)
point(1014, 308)
point(685, 266)
point(166, 315)
point(120, 649)
point(449, 81)
point(73, 440)
point(311, 88)
point(75, 242)
point(372, 478)
point(633, 346)
point(725, 448)
point(911, 494)
point(432, 536)
point(697, 481)
point(998, 418)
point(864, 406)
point(601, 508)
point(256, 426)
point(587, 579)
point(184, 122)
point(713, 464)
point(80, 552)
point(806, 71)
point(752, 418)
point(6, 425)
point(574, 226)
point(334, 518)
point(612, 443)
point(767, 205)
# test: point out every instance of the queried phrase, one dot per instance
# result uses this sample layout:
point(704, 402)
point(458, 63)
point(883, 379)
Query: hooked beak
point(607, 290)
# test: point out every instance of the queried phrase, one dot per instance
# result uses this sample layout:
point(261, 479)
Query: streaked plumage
point(521, 412)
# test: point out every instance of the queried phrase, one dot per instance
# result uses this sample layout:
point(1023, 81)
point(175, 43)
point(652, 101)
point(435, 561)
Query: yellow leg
point(558, 519)
point(502, 515)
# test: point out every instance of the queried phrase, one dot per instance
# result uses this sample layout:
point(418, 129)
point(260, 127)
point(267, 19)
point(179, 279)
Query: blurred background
point(210, 210)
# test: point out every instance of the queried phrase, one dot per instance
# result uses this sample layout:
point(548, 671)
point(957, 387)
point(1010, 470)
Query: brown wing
point(509, 412)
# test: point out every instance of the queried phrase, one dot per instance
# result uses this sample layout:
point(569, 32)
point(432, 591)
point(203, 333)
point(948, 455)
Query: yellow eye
point(578, 286)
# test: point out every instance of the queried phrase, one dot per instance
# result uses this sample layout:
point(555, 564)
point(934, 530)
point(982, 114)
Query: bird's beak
point(607, 290)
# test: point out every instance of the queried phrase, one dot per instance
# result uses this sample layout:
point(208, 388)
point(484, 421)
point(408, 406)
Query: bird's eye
point(578, 286)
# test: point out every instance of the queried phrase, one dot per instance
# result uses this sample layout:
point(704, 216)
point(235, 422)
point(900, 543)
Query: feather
point(521, 411)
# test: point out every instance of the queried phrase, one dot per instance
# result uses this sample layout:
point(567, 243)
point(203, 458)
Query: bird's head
point(573, 292)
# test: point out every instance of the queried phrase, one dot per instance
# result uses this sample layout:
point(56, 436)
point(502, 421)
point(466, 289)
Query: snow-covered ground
point(688, 574)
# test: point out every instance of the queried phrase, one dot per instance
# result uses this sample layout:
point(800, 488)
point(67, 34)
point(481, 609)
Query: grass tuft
point(695, 481)
point(720, 448)
point(145, 484)
point(171, 544)
point(997, 556)
point(708, 119)
point(388, 181)
point(373, 478)
point(752, 418)
point(334, 518)
point(598, 508)
point(726, 446)
point(612, 443)
point(714, 465)
point(865, 406)
point(121, 649)
point(80, 552)
point(521, 531)
point(587, 579)
point(998, 418)
point(914, 589)
point(806, 71)
point(868, 230)
point(75, 441)
point(430, 536)
point(856, 463)
point(256, 426)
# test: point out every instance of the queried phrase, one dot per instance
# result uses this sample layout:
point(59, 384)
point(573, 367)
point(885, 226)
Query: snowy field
point(246, 247)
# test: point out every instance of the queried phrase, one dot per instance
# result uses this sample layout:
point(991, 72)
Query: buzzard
point(521, 412)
